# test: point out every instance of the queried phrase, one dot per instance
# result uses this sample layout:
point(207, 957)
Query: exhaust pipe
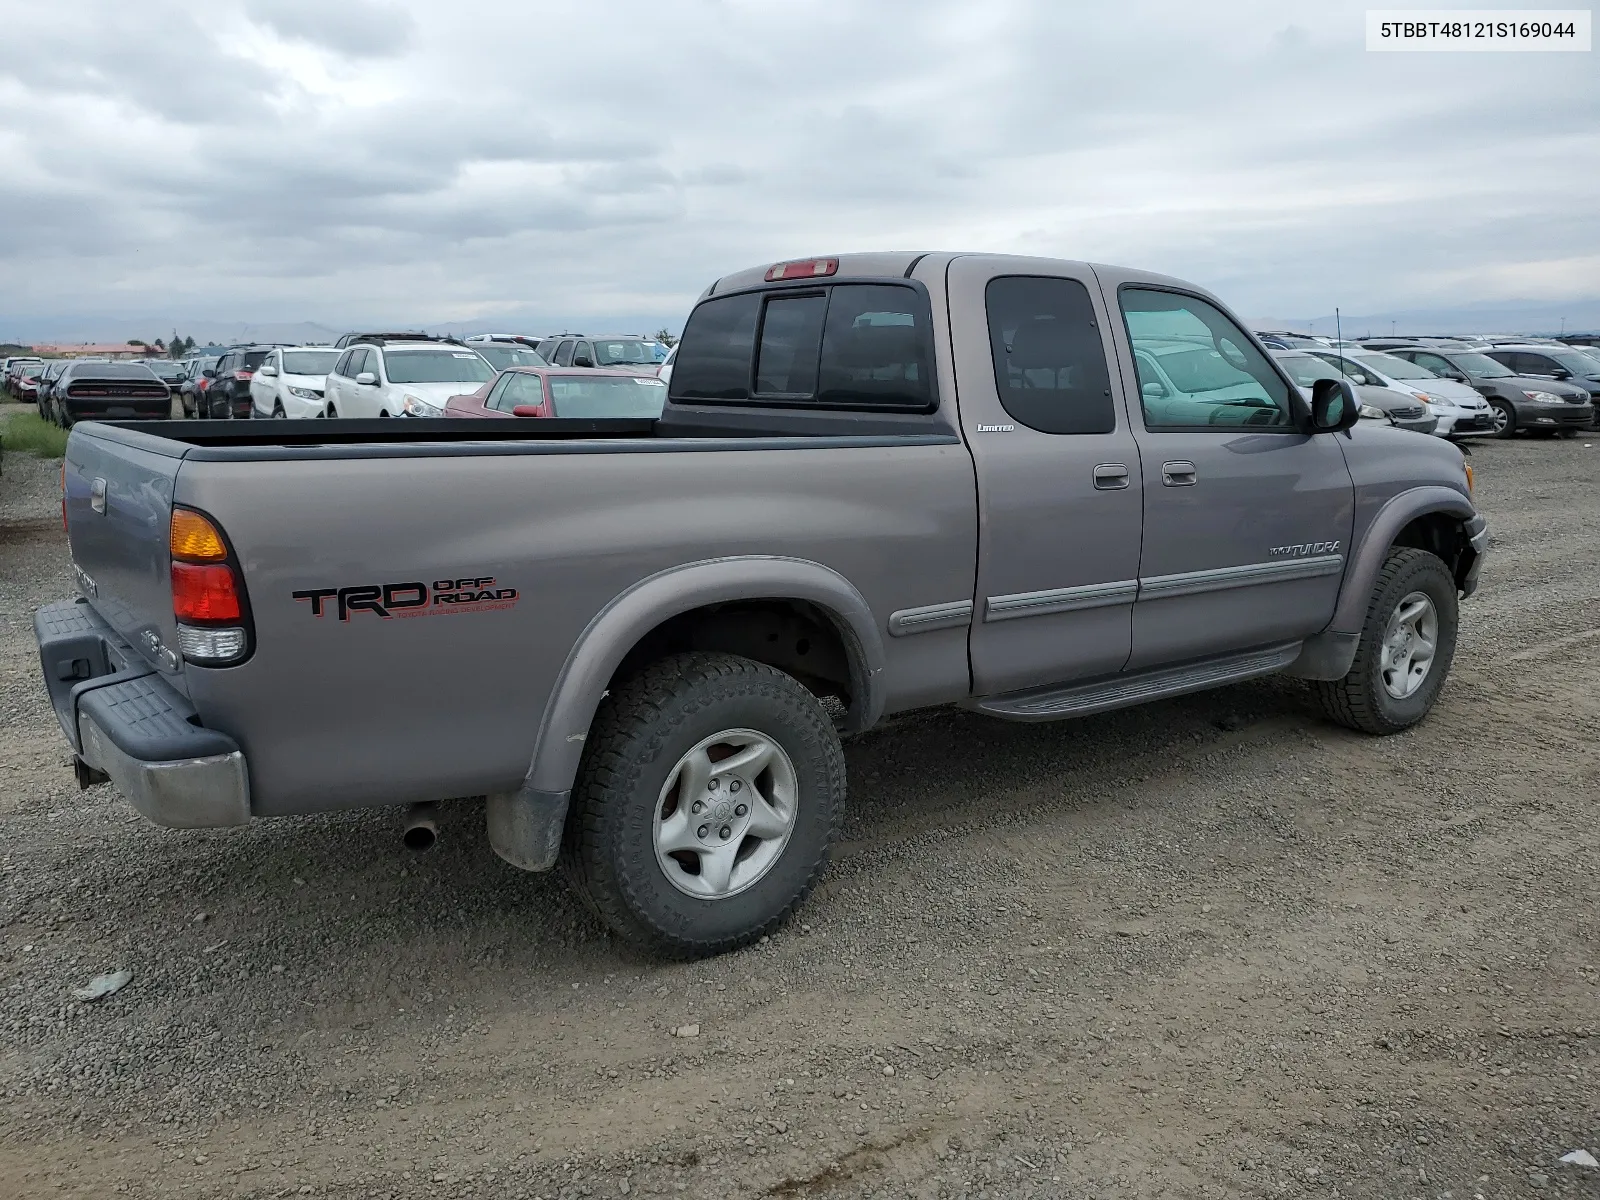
point(422, 827)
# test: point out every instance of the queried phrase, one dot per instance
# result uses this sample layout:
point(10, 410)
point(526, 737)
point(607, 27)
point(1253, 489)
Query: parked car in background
point(563, 392)
point(1400, 409)
point(20, 368)
point(503, 355)
point(402, 378)
point(109, 391)
point(601, 351)
point(1517, 402)
point(1561, 363)
point(1278, 340)
point(227, 392)
point(170, 371)
point(665, 373)
point(26, 386)
point(350, 339)
point(290, 382)
point(196, 379)
point(1459, 408)
point(47, 378)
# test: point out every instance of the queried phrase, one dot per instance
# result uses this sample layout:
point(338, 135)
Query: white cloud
point(354, 160)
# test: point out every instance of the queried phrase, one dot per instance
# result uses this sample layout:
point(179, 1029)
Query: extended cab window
point(1197, 369)
point(851, 345)
point(1049, 362)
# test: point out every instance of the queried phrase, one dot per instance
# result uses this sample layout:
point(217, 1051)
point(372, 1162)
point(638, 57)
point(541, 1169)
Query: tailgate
point(119, 507)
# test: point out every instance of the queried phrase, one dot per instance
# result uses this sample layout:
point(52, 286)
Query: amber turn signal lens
point(1470, 480)
point(195, 539)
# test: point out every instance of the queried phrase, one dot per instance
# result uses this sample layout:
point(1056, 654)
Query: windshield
point(1481, 366)
point(628, 352)
point(1394, 368)
point(501, 356)
point(436, 366)
point(1306, 369)
point(1575, 361)
point(602, 396)
point(309, 362)
point(1201, 370)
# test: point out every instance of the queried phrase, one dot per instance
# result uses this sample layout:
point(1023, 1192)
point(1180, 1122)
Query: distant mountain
point(1530, 317)
point(70, 330)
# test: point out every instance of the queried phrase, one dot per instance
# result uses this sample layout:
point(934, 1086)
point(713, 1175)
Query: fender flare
point(620, 625)
point(1367, 560)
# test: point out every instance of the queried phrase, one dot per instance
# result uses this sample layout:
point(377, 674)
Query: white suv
point(290, 382)
point(403, 378)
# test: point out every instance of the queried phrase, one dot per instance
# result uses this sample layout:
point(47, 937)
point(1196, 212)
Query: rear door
point(1057, 468)
point(1247, 518)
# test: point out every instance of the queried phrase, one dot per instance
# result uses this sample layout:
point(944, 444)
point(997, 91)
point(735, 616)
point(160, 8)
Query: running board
point(1121, 691)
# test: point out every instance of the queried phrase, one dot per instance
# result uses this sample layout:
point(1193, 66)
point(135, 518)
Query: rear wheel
point(1407, 643)
point(1504, 417)
point(708, 795)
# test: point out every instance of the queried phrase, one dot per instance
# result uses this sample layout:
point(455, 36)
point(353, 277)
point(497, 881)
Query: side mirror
point(268, 371)
point(1562, 373)
point(208, 373)
point(1152, 391)
point(528, 410)
point(367, 378)
point(582, 360)
point(1456, 375)
point(1335, 406)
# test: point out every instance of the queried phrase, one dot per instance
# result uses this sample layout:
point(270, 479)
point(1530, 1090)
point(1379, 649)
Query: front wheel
point(1407, 643)
point(708, 796)
point(1504, 417)
point(277, 411)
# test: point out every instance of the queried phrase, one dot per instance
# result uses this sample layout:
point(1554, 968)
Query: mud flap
point(525, 827)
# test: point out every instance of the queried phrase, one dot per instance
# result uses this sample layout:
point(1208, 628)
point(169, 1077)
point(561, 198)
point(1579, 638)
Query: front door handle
point(1110, 477)
point(1178, 474)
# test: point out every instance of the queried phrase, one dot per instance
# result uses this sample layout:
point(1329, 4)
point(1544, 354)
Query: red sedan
point(558, 392)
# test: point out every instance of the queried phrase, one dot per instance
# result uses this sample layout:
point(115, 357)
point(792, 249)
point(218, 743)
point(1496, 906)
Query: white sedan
point(291, 382)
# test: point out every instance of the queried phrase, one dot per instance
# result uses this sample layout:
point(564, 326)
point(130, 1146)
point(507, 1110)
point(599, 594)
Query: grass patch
point(31, 432)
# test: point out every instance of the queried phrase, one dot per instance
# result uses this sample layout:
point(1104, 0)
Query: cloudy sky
point(422, 161)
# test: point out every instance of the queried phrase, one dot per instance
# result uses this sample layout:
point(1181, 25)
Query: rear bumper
point(122, 718)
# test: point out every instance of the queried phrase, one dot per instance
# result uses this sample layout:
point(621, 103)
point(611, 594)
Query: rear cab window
point(863, 346)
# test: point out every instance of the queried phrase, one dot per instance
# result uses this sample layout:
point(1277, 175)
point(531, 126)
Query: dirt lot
point(1213, 947)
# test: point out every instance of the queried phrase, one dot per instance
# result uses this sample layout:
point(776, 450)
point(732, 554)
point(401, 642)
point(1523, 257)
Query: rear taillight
point(805, 268)
point(207, 592)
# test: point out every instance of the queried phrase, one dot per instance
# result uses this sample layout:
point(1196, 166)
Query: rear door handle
point(1110, 477)
point(1178, 474)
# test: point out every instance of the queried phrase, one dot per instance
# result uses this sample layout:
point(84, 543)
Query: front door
point(1057, 471)
point(1247, 517)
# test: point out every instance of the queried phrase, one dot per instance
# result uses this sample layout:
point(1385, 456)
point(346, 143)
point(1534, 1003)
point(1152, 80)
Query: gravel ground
point(1211, 947)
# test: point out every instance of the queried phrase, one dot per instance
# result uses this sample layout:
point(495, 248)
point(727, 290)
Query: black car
point(1552, 362)
point(1519, 401)
point(111, 391)
point(194, 377)
point(227, 392)
point(47, 379)
point(169, 371)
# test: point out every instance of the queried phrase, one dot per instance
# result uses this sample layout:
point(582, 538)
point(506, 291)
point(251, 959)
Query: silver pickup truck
point(1036, 488)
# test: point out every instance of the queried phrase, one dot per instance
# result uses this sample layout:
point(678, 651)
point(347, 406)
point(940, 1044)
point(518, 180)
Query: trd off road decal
point(388, 600)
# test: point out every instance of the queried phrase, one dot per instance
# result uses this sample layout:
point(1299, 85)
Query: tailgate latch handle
point(97, 496)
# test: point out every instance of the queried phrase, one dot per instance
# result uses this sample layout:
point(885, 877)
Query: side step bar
point(1120, 691)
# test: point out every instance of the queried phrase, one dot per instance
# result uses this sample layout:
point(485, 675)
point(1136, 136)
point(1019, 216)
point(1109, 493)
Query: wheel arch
point(1437, 519)
point(734, 604)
